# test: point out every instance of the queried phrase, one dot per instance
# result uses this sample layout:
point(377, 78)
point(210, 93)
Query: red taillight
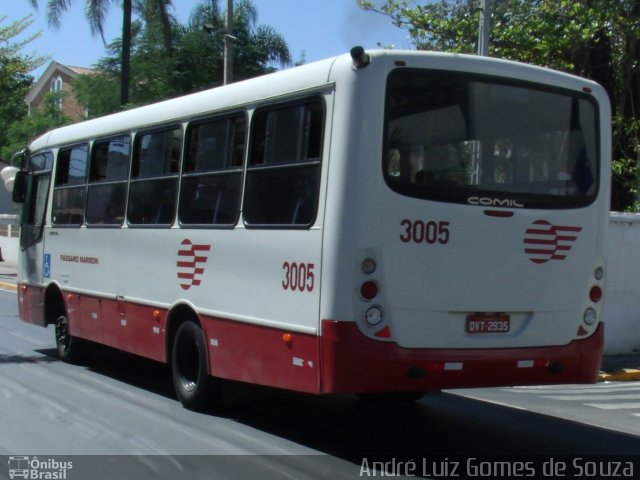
point(369, 290)
point(595, 294)
point(434, 366)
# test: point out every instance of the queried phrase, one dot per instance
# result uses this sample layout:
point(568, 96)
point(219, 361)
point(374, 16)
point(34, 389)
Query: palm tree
point(96, 12)
point(256, 47)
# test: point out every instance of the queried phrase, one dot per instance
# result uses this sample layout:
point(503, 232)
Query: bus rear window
point(457, 137)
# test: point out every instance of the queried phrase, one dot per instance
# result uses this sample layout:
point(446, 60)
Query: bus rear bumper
point(354, 363)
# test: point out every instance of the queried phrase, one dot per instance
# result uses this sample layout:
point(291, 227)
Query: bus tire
point(191, 381)
point(70, 349)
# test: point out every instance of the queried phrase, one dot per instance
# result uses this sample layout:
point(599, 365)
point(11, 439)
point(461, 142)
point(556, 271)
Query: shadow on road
point(340, 425)
point(45, 356)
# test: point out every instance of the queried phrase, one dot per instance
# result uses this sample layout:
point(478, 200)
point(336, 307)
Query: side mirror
point(20, 187)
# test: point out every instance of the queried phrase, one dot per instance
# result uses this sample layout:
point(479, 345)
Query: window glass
point(154, 178)
point(458, 137)
point(70, 186)
point(153, 202)
point(157, 154)
point(41, 161)
point(106, 203)
point(110, 160)
point(72, 166)
point(108, 175)
point(283, 175)
point(212, 176)
point(215, 145)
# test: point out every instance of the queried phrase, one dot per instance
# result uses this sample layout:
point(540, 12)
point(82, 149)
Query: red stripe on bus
point(341, 359)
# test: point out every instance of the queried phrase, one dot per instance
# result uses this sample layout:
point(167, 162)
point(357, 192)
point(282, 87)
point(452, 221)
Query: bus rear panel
point(474, 252)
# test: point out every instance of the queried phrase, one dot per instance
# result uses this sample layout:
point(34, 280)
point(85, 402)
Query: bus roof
point(285, 82)
point(193, 105)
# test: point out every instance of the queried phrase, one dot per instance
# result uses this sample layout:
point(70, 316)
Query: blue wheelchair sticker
point(46, 268)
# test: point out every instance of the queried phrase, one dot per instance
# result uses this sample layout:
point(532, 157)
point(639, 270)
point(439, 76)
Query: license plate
point(494, 323)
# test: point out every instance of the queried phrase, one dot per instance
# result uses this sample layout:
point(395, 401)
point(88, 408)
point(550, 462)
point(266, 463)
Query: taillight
point(369, 290)
point(595, 294)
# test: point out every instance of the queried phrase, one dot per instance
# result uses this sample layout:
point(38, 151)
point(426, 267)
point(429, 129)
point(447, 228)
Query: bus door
point(33, 266)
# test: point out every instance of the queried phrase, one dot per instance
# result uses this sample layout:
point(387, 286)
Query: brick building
point(58, 78)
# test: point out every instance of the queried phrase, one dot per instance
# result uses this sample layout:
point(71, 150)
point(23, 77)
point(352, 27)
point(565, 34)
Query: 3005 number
point(298, 276)
point(430, 232)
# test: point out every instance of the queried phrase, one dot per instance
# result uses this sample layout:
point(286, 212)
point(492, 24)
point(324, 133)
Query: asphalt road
point(122, 409)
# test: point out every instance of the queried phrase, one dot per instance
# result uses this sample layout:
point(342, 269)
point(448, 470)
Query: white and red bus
point(389, 221)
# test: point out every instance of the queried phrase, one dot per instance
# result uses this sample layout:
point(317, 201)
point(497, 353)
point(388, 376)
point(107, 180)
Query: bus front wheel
point(191, 380)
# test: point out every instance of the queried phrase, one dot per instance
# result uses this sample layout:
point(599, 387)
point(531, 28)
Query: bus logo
point(18, 467)
point(191, 260)
point(544, 241)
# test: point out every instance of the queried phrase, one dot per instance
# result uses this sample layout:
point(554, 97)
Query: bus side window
point(212, 172)
point(283, 177)
point(154, 177)
point(108, 176)
point(70, 186)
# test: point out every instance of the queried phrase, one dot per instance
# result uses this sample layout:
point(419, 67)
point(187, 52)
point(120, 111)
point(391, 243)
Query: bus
point(382, 223)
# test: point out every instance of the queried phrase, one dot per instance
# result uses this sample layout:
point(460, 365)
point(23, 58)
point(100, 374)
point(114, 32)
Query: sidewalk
point(8, 277)
point(615, 368)
point(620, 368)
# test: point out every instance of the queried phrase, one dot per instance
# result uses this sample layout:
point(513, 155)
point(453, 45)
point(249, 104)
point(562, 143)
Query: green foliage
point(11, 45)
point(21, 132)
point(15, 80)
point(99, 93)
point(14, 85)
point(597, 39)
point(191, 62)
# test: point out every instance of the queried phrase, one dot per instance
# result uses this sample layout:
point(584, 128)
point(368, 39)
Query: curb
point(624, 375)
point(8, 286)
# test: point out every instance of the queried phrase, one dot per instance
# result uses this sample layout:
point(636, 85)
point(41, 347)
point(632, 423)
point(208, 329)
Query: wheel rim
point(188, 362)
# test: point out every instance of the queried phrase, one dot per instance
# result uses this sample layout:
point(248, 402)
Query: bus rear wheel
point(194, 388)
point(70, 348)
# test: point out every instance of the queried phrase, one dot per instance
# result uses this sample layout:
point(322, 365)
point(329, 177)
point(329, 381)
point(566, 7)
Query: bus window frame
point(462, 195)
point(318, 164)
point(241, 170)
point(136, 139)
point(79, 186)
point(125, 181)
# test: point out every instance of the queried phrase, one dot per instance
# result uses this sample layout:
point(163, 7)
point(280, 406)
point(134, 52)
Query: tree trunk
point(126, 52)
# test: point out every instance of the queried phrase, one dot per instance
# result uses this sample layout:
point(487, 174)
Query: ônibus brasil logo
point(38, 469)
point(191, 260)
point(544, 241)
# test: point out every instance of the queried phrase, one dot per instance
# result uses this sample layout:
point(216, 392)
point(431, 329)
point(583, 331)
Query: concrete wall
point(9, 244)
point(621, 310)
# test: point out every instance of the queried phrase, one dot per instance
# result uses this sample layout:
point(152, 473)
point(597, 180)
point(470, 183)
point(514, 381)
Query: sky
point(315, 29)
